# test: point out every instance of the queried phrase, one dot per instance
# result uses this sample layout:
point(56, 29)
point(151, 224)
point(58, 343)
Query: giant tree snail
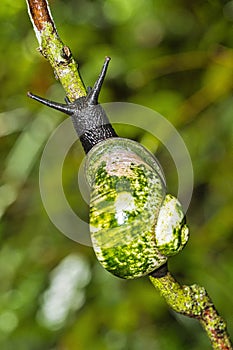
point(135, 226)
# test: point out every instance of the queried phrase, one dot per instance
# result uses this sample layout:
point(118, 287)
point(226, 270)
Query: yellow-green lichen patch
point(63, 64)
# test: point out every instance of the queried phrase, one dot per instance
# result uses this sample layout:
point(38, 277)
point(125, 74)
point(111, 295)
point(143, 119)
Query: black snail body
point(89, 118)
point(135, 226)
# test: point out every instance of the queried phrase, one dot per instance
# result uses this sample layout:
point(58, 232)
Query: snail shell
point(127, 195)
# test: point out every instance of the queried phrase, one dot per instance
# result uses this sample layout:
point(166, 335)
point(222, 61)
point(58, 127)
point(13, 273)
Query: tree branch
point(52, 48)
point(193, 301)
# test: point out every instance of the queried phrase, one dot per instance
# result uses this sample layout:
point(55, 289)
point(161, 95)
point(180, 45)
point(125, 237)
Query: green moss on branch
point(62, 62)
point(193, 301)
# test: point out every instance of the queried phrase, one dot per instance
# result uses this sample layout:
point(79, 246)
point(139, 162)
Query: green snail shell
point(128, 192)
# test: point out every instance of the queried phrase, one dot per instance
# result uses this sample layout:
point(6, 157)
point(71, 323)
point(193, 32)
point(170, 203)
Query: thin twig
point(52, 48)
point(193, 301)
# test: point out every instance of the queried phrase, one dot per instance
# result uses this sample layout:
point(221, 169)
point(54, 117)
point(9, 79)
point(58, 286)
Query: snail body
point(135, 226)
point(89, 118)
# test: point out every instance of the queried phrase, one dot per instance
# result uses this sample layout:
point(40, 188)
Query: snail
point(135, 226)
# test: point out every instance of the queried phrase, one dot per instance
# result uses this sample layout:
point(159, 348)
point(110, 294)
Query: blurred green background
point(174, 56)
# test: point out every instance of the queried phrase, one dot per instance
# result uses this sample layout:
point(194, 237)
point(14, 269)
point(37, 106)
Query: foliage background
point(174, 56)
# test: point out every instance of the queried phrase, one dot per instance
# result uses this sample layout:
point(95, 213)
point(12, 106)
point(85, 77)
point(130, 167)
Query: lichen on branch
point(52, 48)
point(193, 301)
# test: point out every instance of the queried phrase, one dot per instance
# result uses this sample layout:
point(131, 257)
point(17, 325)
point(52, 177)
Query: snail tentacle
point(65, 108)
